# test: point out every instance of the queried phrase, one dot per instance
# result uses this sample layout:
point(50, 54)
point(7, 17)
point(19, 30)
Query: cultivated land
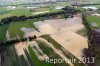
point(56, 38)
point(66, 38)
point(54, 25)
point(14, 29)
point(66, 34)
point(72, 42)
point(30, 46)
point(19, 11)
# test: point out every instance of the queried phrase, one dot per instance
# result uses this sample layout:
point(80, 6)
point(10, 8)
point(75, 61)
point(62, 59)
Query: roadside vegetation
point(93, 50)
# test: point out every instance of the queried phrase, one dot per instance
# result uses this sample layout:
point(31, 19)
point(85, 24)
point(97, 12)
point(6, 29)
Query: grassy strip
point(17, 12)
point(80, 8)
point(52, 41)
point(29, 57)
point(58, 46)
point(14, 28)
point(3, 30)
point(36, 60)
point(23, 61)
point(70, 56)
point(82, 32)
point(50, 52)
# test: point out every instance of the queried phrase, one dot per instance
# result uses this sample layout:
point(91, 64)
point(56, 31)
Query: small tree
point(35, 37)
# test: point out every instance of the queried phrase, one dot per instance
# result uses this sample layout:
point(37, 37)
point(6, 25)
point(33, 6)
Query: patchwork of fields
point(19, 11)
point(56, 38)
point(14, 29)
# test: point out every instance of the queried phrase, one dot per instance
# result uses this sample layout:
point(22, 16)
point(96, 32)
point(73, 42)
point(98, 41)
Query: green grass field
point(52, 41)
point(3, 30)
point(93, 19)
point(36, 60)
point(61, 4)
point(14, 28)
point(16, 12)
point(51, 8)
point(19, 11)
point(80, 8)
point(3, 10)
point(42, 9)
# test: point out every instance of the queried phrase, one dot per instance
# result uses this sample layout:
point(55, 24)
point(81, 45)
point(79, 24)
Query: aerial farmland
point(49, 33)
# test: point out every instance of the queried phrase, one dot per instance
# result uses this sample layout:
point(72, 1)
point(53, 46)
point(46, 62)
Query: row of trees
point(92, 50)
point(70, 10)
point(89, 31)
point(18, 40)
point(67, 11)
point(7, 20)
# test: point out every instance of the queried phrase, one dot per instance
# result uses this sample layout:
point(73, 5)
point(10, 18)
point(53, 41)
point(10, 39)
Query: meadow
point(19, 10)
point(14, 28)
point(16, 12)
point(36, 60)
point(93, 19)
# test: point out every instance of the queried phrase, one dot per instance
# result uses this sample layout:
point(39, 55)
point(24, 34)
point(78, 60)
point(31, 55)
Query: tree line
point(67, 11)
point(92, 50)
point(18, 40)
